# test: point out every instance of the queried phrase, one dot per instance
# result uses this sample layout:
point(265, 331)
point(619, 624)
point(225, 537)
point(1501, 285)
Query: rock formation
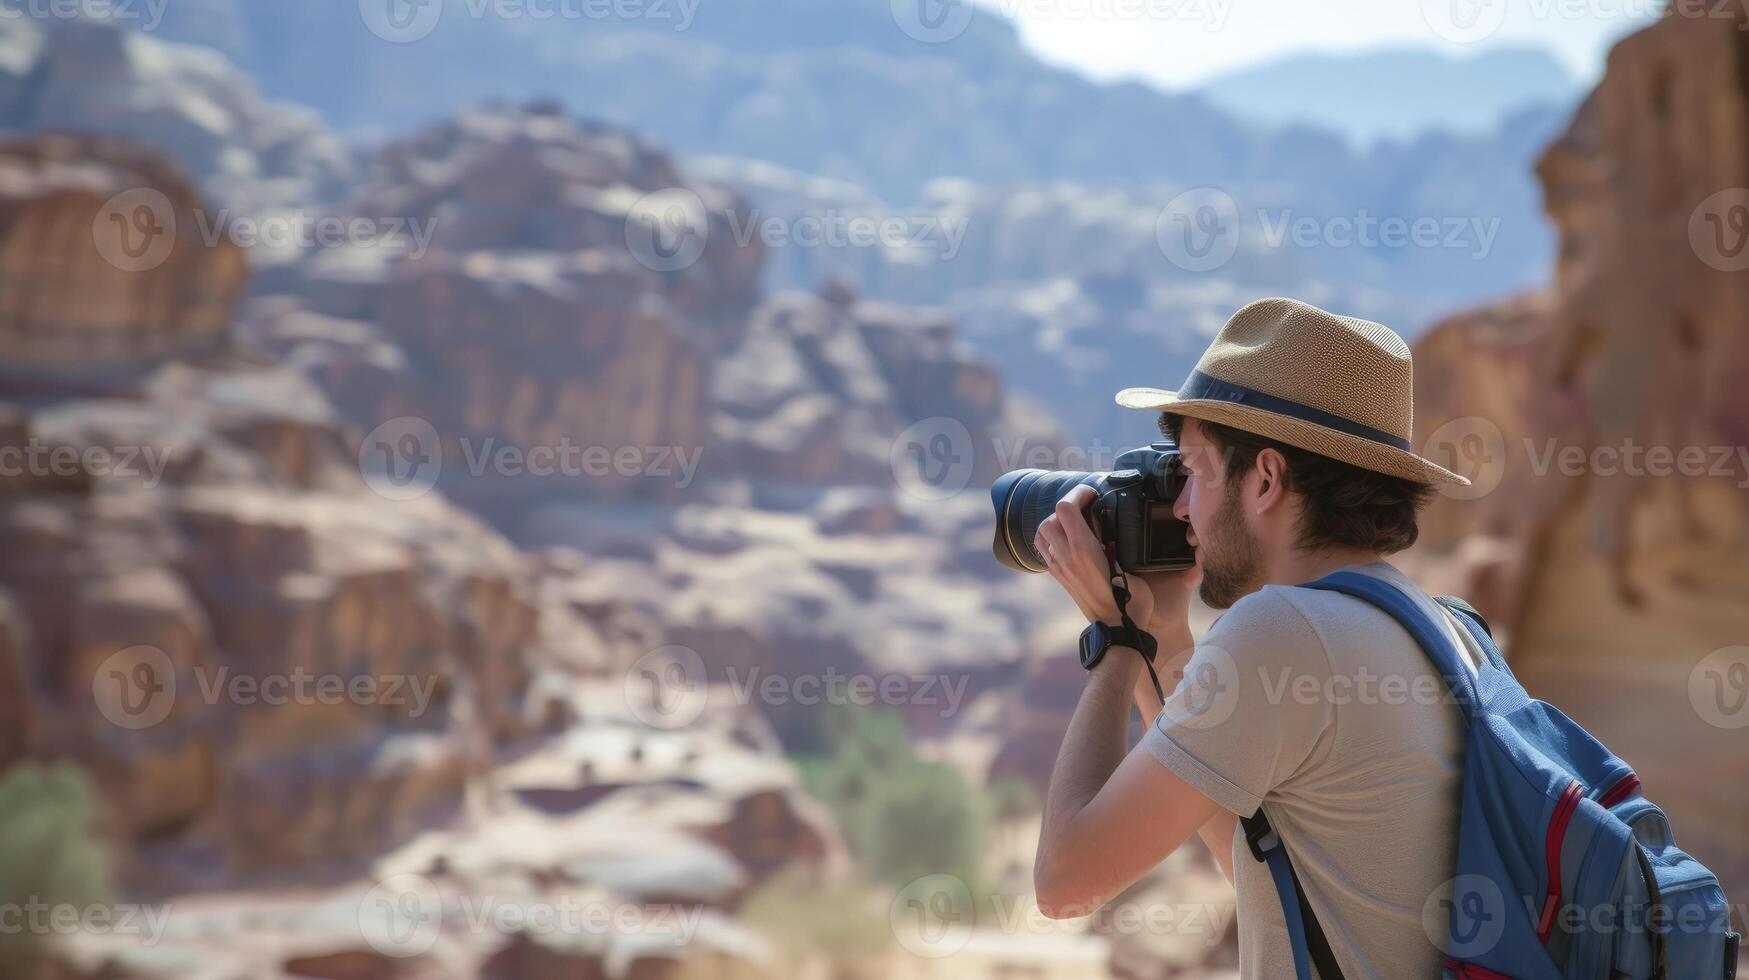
point(539, 319)
point(105, 265)
point(244, 154)
point(1603, 423)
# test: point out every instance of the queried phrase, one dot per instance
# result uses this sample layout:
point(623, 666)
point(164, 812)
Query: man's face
point(1226, 547)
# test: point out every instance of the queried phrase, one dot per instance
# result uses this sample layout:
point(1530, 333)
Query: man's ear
point(1271, 470)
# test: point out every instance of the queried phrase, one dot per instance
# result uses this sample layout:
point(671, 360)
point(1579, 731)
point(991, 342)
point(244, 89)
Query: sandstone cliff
point(288, 682)
point(1603, 423)
point(538, 318)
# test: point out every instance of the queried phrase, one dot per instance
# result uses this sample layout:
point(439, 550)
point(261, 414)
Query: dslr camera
point(1131, 516)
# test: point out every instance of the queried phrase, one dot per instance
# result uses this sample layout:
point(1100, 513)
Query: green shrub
point(49, 854)
point(903, 817)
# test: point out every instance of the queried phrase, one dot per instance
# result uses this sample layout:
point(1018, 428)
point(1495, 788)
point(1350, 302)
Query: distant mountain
point(1068, 223)
point(1395, 93)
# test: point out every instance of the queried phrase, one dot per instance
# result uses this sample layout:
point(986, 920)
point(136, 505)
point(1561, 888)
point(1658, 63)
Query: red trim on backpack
point(1623, 788)
point(1557, 835)
point(1470, 971)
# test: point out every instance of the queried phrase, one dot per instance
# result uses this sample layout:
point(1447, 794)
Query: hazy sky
point(1175, 43)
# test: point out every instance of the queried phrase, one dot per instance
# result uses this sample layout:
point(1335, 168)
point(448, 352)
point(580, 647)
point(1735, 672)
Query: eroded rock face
point(100, 241)
point(189, 104)
point(557, 307)
point(1605, 425)
point(201, 585)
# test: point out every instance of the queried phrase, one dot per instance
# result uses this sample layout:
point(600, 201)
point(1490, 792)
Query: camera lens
point(1023, 499)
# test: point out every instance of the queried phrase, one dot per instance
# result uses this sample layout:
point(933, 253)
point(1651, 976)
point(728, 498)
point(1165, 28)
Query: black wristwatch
point(1100, 637)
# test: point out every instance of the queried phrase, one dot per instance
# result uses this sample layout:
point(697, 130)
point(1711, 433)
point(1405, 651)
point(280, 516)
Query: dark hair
point(1344, 506)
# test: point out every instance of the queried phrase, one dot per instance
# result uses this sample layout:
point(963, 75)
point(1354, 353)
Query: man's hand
point(1171, 592)
point(1076, 559)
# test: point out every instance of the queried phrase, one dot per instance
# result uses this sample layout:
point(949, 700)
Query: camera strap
point(1120, 590)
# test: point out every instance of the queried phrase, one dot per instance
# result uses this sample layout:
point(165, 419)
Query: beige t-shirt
point(1325, 711)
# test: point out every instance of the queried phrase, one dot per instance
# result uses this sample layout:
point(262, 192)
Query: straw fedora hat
point(1331, 385)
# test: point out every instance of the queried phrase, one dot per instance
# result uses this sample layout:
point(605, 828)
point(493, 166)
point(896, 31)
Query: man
point(1316, 707)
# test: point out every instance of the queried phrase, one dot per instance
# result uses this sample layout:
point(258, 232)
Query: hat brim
point(1355, 450)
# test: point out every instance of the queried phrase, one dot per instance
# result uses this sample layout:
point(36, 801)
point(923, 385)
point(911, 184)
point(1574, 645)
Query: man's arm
point(1108, 817)
point(1217, 833)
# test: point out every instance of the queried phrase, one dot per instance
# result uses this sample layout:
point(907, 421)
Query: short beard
point(1232, 564)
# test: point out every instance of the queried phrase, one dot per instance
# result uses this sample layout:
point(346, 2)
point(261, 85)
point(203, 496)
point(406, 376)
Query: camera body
point(1132, 514)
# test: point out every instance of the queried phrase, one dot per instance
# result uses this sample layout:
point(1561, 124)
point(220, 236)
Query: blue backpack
point(1564, 872)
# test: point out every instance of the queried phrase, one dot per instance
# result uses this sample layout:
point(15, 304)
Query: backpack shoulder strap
point(1430, 636)
point(1305, 937)
point(1463, 608)
point(1309, 944)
